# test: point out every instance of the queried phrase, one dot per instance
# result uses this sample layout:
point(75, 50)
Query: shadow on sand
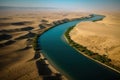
point(9, 42)
point(57, 76)
point(23, 49)
point(26, 36)
point(45, 71)
point(37, 55)
point(43, 68)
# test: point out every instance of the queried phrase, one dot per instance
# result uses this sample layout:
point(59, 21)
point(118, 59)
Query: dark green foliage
point(102, 58)
point(88, 52)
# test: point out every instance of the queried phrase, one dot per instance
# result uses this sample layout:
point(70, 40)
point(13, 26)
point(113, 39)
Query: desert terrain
point(102, 37)
point(18, 60)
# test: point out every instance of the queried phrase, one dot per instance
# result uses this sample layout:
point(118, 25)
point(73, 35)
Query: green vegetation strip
point(35, 39)
point(101, 58)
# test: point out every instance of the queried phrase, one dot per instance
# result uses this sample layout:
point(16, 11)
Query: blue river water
point(67, 60)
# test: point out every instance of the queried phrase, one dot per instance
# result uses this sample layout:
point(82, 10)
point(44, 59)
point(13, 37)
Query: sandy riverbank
point(100, 37)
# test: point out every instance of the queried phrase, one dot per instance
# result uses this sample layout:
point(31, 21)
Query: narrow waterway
point(67, 60)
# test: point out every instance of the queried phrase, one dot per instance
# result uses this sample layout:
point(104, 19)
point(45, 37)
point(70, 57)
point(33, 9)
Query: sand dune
point(102, 37)
point(16, 56)
point(5, 37)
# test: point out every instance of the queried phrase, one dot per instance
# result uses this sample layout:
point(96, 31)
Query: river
point(67, 60)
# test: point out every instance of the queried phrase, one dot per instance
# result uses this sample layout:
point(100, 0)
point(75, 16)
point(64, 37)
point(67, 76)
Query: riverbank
point(55, 74)
point(67, 40)
point(101, 59)
point(68, 61)
point(17, 30)
point(38, 47)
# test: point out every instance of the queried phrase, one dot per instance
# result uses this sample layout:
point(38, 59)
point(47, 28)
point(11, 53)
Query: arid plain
point(17, 30)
